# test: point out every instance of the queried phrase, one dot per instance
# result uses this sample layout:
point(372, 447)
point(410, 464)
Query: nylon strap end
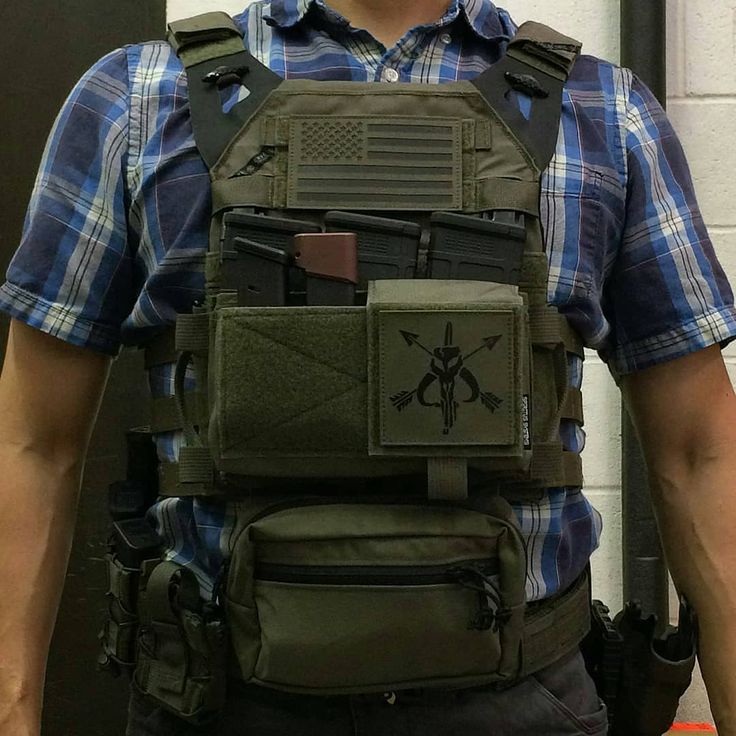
point(447, 478)
point(204, 28)
point(545, 49)
point(204, 37)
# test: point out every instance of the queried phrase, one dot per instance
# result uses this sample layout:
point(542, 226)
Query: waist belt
point(555, 626)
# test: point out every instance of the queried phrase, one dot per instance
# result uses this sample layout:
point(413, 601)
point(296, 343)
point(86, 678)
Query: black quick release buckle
point(224, 76)
point(527, 84)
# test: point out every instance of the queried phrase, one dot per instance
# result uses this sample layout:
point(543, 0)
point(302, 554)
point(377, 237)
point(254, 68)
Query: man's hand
point(49, 397)
point(685, 414)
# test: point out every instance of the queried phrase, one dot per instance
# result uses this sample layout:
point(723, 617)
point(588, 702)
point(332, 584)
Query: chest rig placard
point(376, 365)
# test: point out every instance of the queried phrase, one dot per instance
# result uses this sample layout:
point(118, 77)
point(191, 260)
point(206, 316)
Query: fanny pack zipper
point(472, 575)
point(370, 574)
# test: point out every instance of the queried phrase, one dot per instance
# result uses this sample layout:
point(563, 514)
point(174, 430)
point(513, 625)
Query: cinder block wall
point(702, 105)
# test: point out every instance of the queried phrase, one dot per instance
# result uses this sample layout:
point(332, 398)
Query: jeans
point(560, 700)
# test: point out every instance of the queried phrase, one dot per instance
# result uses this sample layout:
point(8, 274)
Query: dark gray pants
point(558, 701)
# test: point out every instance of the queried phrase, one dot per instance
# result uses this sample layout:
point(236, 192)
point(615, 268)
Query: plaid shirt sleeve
point(666, 295)
point(72, 275)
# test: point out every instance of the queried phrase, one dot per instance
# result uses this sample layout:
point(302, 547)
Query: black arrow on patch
point(403, 399)
point(488, 344)
point(413, 339)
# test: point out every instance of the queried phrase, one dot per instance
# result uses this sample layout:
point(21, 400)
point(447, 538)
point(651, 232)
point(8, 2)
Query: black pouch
point(602, 650)
point(133, 553)
point(182, 646)
point(656, 671)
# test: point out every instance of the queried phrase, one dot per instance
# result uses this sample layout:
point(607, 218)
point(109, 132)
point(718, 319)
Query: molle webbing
point(549, 464)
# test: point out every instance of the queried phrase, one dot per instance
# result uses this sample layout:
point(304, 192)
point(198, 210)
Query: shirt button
point(446, 39)
point(390, 75)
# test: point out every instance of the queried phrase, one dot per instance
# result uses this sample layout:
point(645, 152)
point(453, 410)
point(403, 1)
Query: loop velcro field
point(430, 369)
point(287, 383)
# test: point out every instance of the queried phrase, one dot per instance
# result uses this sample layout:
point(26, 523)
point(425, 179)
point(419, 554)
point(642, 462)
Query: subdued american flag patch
point(375, 163)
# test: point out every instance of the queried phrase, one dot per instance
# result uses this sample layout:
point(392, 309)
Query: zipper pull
point(491, 615)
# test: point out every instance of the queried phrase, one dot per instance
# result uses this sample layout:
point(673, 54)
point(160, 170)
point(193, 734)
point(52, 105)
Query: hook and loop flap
point(204, 37)
point(544, 49)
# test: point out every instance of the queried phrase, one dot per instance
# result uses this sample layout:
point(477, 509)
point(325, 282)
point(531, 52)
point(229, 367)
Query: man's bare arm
point(685, 414)
point(49, 396)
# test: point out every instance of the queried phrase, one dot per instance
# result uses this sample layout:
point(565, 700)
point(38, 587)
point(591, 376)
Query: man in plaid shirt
point(113, 250)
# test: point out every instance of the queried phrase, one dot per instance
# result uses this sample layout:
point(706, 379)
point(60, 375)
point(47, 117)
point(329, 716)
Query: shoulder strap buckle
point(205, 37)
point(537, 63)
point(224, 76)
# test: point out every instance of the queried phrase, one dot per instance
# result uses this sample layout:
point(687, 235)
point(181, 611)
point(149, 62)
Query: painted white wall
point(176, 9)
point(702, 105)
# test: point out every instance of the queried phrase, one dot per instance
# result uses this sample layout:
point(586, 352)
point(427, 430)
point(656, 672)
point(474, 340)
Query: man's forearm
point(685, 414)
point(696, 506)
point(49, 396)
point(38, 498)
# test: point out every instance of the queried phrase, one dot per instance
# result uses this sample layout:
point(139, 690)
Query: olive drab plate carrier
point(370, 445)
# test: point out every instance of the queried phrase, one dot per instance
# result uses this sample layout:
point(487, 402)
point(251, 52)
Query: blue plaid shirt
point(117, 227)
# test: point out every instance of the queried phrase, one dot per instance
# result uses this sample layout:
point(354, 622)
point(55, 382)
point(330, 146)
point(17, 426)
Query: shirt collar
point(287, 13)
point(488, 21)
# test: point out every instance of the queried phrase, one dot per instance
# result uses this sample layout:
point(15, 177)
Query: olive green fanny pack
point(334, 597)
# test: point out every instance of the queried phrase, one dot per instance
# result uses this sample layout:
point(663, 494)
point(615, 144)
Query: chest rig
point(377, 370)
point(435, 355)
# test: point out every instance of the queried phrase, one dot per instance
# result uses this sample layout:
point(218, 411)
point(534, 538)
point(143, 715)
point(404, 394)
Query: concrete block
point(676, 80)
point(730, 360)
point(710, 48)
point(694, 707)
point(606, 562)
point(602, 467)
point(183, 8)
point(602, 456)
point(596, 24)
point(705, 128)
point(724, 241)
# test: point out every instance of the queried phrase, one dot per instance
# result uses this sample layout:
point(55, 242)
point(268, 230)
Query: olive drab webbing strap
point(211, 48)
point(537, 63)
